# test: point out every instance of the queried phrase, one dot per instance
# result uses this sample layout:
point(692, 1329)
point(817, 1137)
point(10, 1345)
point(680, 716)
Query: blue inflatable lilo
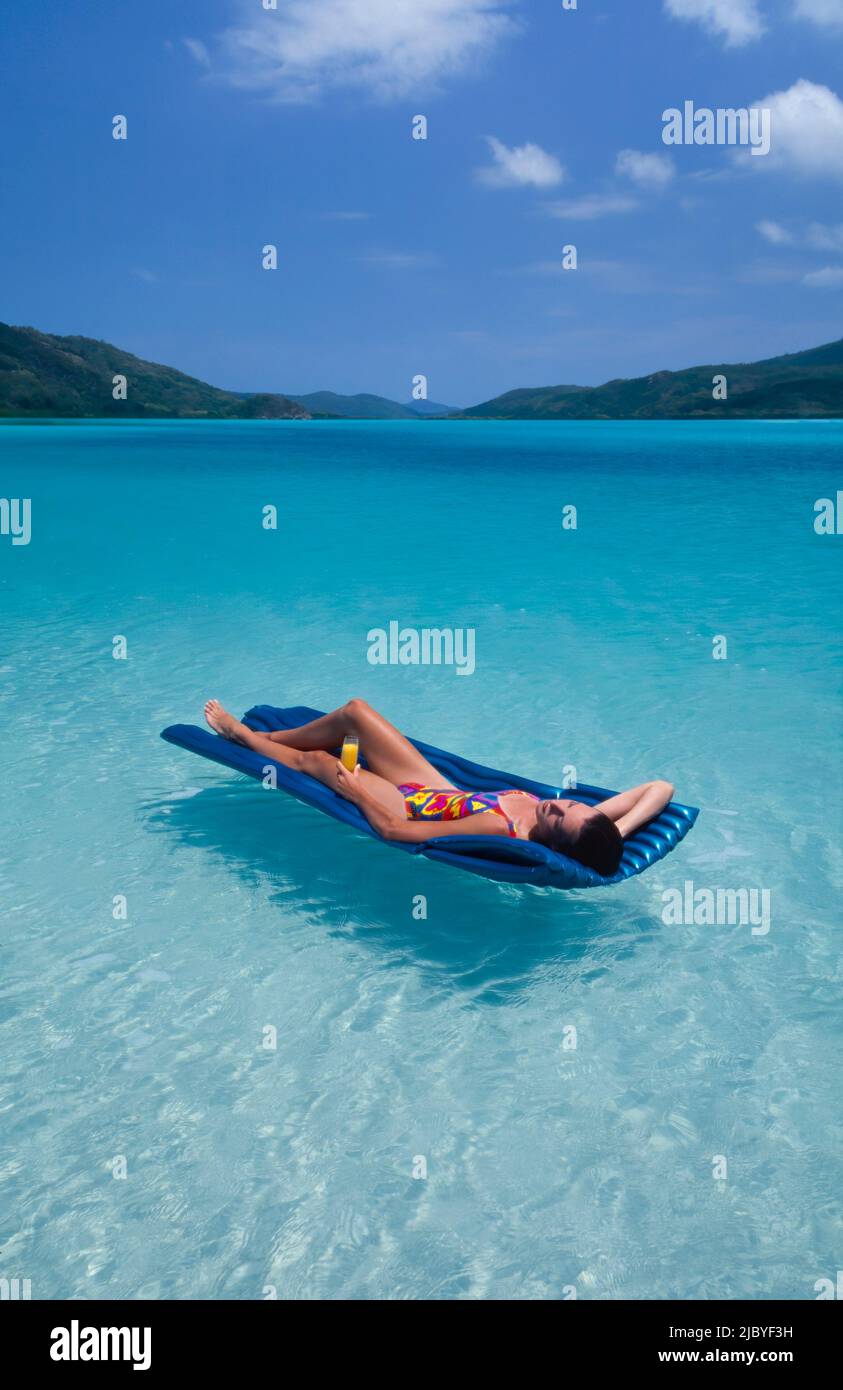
point(491, 856)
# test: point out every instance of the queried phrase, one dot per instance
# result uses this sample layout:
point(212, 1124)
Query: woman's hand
point(350, 784)
point(353, 788)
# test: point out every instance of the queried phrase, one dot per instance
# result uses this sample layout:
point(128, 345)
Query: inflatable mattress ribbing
point(491, 856)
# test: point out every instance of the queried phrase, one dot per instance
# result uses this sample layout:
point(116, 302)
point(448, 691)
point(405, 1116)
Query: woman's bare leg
point(225, 724)
point(328, 731)
point(389, 754)
point(316, 762)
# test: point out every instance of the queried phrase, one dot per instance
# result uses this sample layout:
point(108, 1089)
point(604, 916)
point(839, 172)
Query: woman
point(403, 797)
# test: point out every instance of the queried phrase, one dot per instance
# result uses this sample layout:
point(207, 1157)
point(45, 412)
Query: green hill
point(802, 384)
point(361, 407)
point(45, 375)
point(367, 407)
point(431, 408)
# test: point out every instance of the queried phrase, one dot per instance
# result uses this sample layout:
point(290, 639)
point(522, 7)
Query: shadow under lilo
point(485, 938)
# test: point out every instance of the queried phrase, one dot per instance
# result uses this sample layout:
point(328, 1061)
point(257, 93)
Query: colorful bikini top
point(434, 803)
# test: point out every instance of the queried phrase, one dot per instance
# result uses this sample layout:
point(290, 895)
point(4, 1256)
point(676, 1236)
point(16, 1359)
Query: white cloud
point(818, 236)
point(197, 50)
point(590, 207)
point(524, 166)
point(539, 268)
point(399, 260)
point(738, 21)
point(807, 131)
point(825, 238)
point(619, 277)
point(775, 233)
point(765, 273)
point(825, 12)
point(647, 170)
point(387, 47)
point(830, 278)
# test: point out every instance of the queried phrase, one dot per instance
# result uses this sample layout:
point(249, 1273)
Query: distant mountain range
point(803, 384)
point(364, 407)
point(43, 375)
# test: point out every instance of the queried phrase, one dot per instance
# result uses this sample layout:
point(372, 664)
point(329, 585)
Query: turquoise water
point(549, 1168)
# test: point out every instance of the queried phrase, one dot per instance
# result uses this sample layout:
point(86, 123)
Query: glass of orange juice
point(350, 751)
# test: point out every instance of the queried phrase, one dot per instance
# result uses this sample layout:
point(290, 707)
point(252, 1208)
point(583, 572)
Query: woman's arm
point(630, 810)
point(394, 827)
point(412, 831)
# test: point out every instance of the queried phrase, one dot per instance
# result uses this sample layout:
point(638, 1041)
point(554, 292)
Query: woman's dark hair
point(599, 844)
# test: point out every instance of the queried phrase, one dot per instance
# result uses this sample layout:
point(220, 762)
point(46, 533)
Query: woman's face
point(565, 817)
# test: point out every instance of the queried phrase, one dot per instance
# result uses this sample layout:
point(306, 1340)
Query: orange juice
point(350, 751)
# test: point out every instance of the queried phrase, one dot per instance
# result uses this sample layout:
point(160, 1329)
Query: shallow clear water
point(547, 1168)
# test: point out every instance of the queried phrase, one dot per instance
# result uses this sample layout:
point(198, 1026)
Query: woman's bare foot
point(221, 721)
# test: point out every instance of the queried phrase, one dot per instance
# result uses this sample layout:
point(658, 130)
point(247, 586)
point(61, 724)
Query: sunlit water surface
point(401, 1042)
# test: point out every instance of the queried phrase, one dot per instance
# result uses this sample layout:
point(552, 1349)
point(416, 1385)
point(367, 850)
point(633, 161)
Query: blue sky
point(401, 256)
